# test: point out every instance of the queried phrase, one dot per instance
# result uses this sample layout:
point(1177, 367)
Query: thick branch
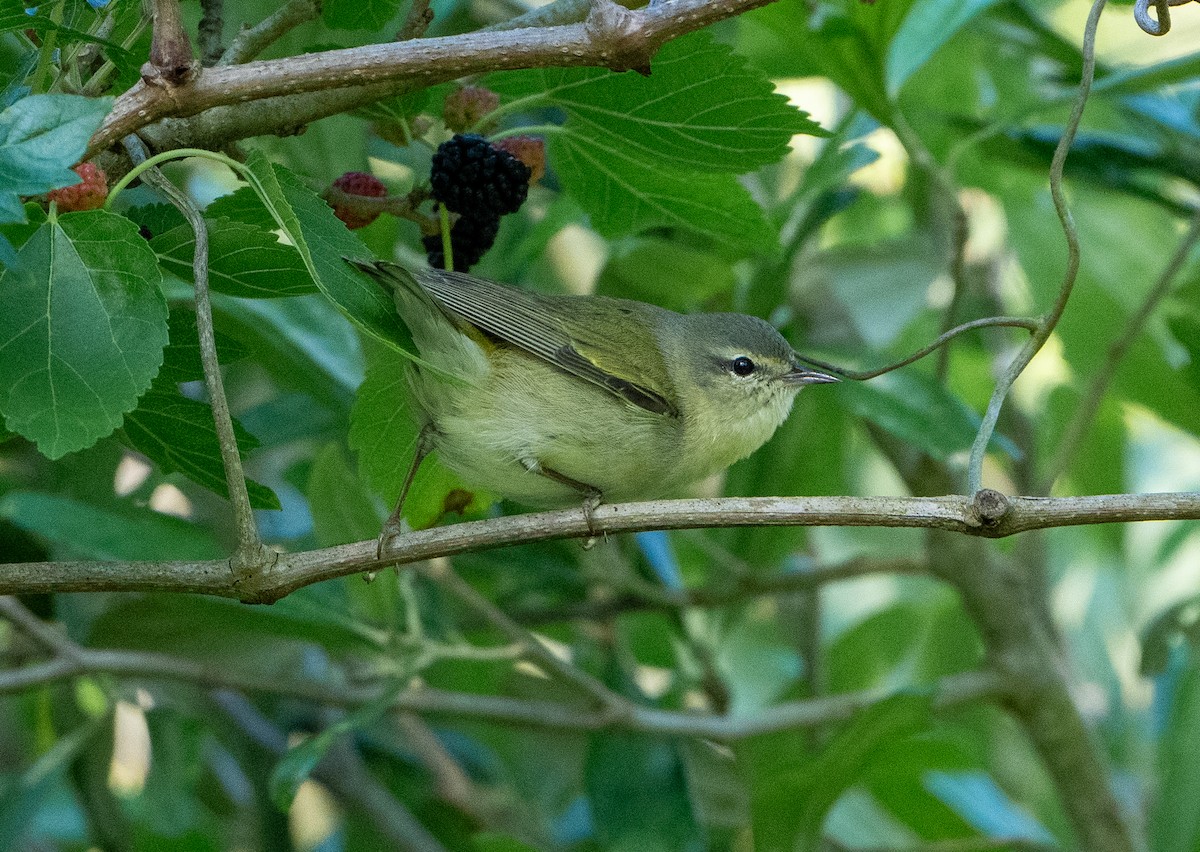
point(611, 37)
point(990, 515)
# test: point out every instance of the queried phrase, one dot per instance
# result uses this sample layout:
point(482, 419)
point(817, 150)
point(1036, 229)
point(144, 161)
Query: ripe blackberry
point(470, 238)
point(472, 177)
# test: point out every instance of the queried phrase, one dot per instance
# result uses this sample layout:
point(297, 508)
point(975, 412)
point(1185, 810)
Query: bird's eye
point(742, 366)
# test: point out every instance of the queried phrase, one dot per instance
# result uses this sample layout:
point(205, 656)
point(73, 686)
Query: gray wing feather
point(528, 321)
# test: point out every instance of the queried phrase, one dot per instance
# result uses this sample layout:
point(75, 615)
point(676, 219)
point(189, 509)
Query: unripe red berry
point(357, 183)
point(530, 150)
point(463, 108)
point(89, 194)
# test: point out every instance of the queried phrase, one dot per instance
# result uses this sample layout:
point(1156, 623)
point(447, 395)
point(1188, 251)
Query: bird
point(559, 400)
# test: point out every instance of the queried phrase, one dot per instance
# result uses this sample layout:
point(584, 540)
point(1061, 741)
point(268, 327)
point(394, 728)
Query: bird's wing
point(536, 323)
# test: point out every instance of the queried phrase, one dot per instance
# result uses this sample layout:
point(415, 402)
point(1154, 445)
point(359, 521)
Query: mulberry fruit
point(530, 150)
point(89, 194)
point(357, 183)
point(470, 238)
point(473, 178)
point(463, 107)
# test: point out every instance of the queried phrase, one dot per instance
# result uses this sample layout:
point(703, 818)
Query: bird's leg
point(392, 526)
point(592, 496)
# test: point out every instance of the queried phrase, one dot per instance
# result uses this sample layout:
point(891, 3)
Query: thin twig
point(954, 690)
point(440, 572)
point(419, 17)
point(172, 63)
point(719, 593)
point(212, 25)
point(36, 629)
point(550, 15)
point(1048, 322)
point(252, 41)
point(1084, 415)
point(985, 322)
point(251, 555)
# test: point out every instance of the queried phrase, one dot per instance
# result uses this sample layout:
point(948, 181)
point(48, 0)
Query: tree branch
point(951, 691)
point(989, 515)
point(252, 41)
point(611, 37)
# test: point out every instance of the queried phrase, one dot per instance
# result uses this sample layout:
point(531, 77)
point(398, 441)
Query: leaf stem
point(447, 243)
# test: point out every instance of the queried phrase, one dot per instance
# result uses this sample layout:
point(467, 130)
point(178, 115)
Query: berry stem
point(447, 245)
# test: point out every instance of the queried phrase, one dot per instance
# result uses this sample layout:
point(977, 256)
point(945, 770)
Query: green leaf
point(178, 434)
point(120, 532)
point(82, 332)
point(928, 25)
point(624, 193)
point(702, 108)
point(41, 137)
point(1174, 820)
point(168, 805)
point(978, 800)
point(383, 429)
point(637, 152)
point(224, 631)
point(899, 779)
point(323, 242)
point(488, 841)
point(242, 205)
point(909, 642)
point(301, 341)
point(791, 803)
point(1185, 329)
point(43, 24)
point(181, 358)
point(787, 464)
point(383, 432)
point(25, 797)
point(244, 260)
point(916, 409)
point(844, 40)
point(341, 509)
point(1176, 624)
point(358, 14)
point(638, 794)
point(1148, 78)
point(684, 278)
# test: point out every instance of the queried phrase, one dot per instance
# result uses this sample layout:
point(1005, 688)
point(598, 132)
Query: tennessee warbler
point(552, 400)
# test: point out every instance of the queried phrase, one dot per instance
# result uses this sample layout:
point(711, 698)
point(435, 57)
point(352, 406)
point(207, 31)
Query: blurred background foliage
point(845, 243)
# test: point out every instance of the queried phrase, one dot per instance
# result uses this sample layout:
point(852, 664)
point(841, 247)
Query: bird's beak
point(799, 375)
